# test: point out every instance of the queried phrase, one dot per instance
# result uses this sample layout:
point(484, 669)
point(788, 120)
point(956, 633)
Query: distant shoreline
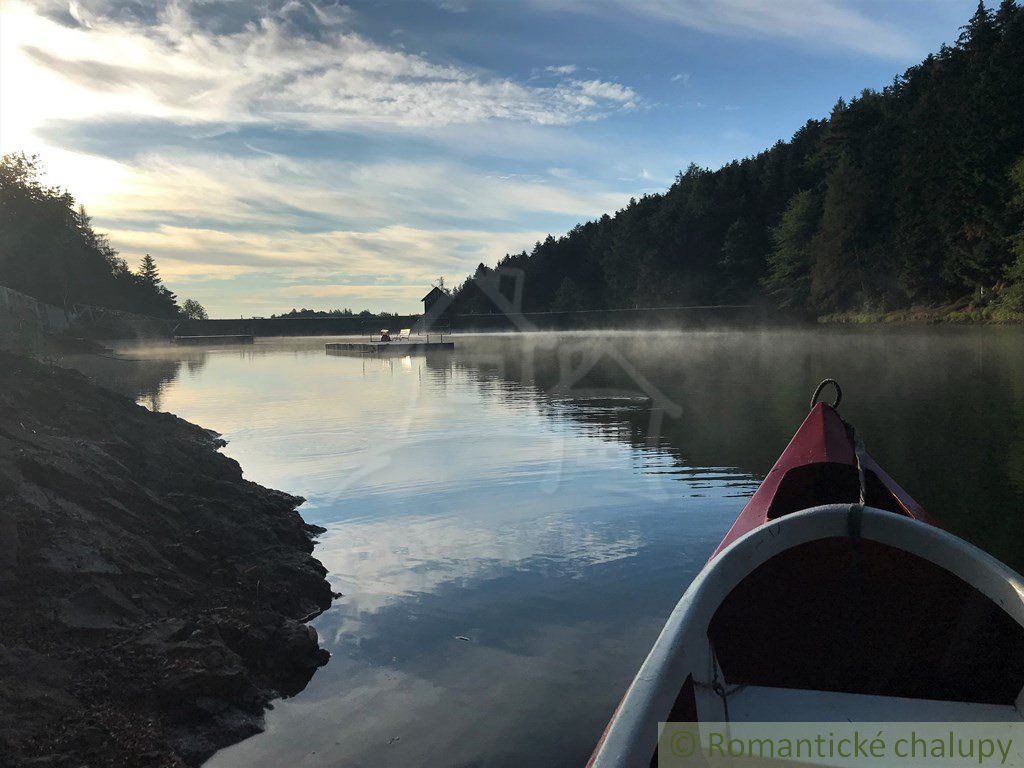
point(645, 319)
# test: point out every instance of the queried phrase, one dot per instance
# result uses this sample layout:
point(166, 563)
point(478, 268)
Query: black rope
point(858, 453)
point(716, 686)
point(824, 383)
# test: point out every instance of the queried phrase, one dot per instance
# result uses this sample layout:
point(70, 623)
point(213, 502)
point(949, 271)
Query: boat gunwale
point(683, 649)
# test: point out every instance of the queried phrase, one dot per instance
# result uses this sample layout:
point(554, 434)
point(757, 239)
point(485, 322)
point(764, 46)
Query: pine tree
point(980, 31)
point(789, 266)
point(1005, 14)
point(742, 260)
point(568, 298)
point(900, 197)
point(148, 272)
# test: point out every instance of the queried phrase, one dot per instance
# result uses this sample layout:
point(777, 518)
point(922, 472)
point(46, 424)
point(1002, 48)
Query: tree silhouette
point(193, 310)
point(49, 250)
point(148, 272)
point(901, 197)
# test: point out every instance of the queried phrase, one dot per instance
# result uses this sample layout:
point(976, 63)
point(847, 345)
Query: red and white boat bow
point(833, 597)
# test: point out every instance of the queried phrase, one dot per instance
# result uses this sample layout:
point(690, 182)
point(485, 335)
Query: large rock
point(152, 599)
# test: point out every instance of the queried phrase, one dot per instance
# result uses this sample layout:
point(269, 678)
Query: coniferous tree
point(1015, 272)
point(789, 265)
point(148, 272)
point(49, 250)
point(902, 196)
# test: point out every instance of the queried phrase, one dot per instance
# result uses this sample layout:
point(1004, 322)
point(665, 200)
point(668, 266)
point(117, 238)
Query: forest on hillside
point(908, 196)
point(49, 251)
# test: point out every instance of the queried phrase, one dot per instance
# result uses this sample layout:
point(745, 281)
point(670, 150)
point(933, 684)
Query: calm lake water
point(512, 522)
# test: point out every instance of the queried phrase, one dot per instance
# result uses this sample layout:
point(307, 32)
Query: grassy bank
point(959, 313)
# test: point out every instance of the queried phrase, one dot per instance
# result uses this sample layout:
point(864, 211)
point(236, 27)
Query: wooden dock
point(387, 347)
point(235, 339)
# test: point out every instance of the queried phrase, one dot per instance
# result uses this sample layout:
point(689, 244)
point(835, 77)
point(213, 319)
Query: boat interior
point(809, 485)
point(840, 612)
point(857, 629)
point(836, 598)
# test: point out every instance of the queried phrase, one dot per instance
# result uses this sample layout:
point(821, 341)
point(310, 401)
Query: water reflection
point(140, 372)
point(939, 407)
point(548, 497)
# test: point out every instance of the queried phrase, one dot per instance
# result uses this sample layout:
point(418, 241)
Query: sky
point(320, 154)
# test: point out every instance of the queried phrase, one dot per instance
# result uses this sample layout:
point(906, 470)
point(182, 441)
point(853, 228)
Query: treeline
point(49, 250)
point(346, 312)
point(910, 196)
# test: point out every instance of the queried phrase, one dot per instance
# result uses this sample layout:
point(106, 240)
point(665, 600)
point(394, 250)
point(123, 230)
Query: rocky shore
point(152, 601)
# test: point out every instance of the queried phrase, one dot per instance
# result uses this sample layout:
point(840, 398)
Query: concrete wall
point(32, 315)
point(32, 312)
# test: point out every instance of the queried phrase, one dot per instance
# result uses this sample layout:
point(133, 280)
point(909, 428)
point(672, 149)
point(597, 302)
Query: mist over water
point(511, 523)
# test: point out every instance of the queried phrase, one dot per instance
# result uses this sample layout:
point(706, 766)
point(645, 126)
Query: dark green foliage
point(148, 272)
point(48, 250)
point(789, 265)
point(901, 197)
point(842, 249)
point(568, 298)
point(1014, 295)
point(1017, 209)
point(193, 310)
point(346, 312)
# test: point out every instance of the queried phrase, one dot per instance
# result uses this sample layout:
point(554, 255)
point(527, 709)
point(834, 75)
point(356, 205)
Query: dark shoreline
point(639, 320)
point(153, 600)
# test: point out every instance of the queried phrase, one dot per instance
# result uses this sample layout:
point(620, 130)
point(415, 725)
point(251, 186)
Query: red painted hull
point(822, 455)
point(821, 465)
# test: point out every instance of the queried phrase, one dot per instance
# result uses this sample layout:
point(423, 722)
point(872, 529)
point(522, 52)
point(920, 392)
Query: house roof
point(432, 291)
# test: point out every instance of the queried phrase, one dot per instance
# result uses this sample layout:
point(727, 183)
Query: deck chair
point(404, 334)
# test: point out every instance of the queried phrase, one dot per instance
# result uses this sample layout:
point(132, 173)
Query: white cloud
point(395, 252)
point(387, 267)
point(347, 291)
point(599, 90)
point(281, 219)
point(815, 23)
point(266, 73)
point(261, 205)
point(682, 77)
point(564, 69)
point(287, 193)
point(561, 173)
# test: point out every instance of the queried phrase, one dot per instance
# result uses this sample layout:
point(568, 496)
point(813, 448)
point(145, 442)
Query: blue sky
point(323, 154)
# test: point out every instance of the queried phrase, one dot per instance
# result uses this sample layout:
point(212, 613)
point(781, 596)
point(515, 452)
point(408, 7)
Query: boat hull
point(833, 596)
point(822, 465)
point(688, 677)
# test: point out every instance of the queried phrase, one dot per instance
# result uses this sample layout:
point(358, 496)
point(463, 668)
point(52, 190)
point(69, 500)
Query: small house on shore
point(437, 308)
point(436, 294)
